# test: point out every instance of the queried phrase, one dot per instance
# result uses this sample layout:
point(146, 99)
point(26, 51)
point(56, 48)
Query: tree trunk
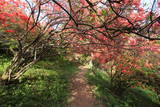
point(19, 65)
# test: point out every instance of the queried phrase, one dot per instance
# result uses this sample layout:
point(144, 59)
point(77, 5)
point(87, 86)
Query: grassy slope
point(44, 85)
point(133, 97)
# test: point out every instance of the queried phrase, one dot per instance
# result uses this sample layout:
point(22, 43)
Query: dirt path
point(81, 94)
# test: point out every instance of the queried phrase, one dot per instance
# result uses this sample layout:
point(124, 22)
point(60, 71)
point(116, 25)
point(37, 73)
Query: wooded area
point(44, 42)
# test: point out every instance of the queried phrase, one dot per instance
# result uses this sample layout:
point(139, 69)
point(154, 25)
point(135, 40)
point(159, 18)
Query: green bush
point(131, 97)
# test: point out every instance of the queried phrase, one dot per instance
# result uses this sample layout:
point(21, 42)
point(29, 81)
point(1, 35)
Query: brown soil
point(81, 94)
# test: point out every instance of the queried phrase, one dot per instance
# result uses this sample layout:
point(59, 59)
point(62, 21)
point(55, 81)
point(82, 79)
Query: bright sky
point(145, 3)
point(148, 3)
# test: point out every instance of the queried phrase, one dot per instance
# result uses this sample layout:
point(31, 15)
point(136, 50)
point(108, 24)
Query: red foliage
point(123, 71)
point(83, 2)
point(10, 31)
point(12, 12)
point(159, 4)
point(110, 34)
point(106, 29)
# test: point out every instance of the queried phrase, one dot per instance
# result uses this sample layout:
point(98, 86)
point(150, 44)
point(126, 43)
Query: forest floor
point(81, 93)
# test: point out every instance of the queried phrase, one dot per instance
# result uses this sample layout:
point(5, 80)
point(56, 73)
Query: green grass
point(133, 97)
point(4, 62)
point(43, 85)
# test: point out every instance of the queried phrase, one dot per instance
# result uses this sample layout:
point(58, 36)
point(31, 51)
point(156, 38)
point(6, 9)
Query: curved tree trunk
point(18, 67)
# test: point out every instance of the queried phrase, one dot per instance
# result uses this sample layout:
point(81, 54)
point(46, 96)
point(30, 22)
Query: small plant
point(45, 84)
point(130, 97)
point(121, 82)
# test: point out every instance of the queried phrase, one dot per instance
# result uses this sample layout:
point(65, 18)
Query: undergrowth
point(132, 97)
point(43, 85)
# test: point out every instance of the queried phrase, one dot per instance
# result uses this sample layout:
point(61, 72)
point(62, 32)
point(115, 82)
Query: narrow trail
point(81, 94)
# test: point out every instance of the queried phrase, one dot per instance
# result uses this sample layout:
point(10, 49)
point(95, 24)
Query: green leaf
point(104, 12)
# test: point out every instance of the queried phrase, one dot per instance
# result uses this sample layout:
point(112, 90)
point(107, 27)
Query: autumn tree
point(100, 28)
point(33, 26)
point(106, 28)
point(121, 36)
